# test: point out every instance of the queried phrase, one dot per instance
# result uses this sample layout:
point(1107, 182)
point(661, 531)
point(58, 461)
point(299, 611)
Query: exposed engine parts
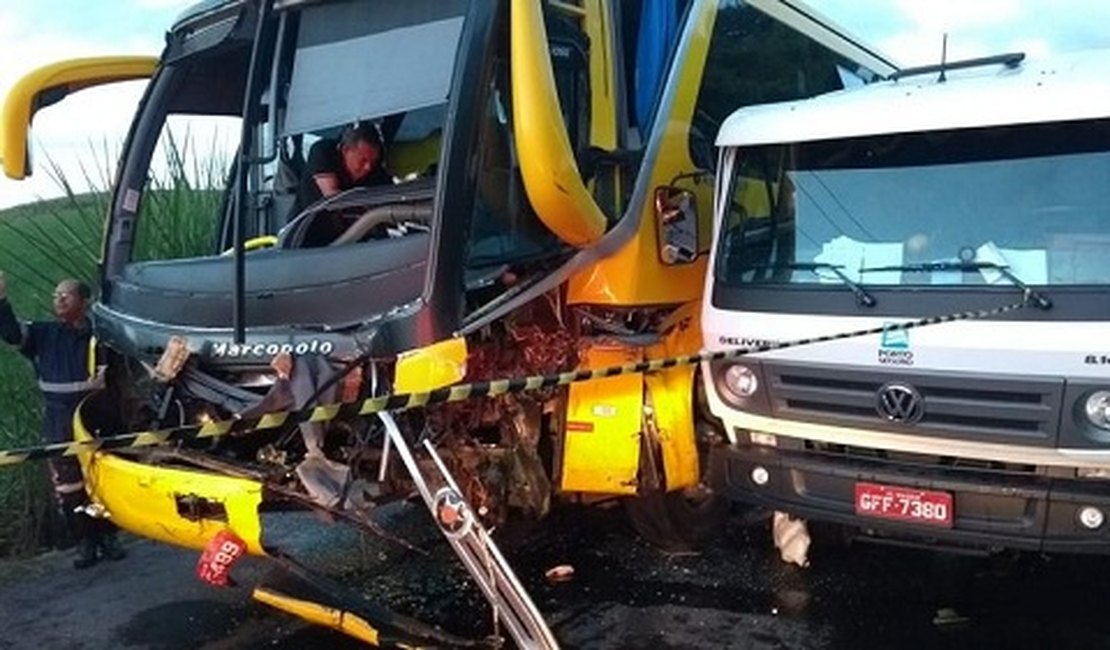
point(503, 451)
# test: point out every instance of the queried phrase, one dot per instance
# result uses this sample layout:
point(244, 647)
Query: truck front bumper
point(991, 509)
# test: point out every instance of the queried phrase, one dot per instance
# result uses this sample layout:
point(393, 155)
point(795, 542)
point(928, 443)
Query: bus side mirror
point(50, 84)
point(676, 224)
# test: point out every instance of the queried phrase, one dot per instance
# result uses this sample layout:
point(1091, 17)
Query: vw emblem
point(898, 402)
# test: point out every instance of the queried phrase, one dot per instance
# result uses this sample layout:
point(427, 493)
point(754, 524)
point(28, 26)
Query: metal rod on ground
point(495, 562)
point(470, 542)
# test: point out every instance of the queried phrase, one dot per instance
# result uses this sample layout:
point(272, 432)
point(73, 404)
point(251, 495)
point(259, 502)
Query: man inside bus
point(355, 160)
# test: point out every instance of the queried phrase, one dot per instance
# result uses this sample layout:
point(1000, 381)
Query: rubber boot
point(81, 528)
point(108, 542)
point(86, 554)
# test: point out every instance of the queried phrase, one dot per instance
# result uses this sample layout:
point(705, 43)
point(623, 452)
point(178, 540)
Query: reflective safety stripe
point(66, 388)
point(90, 356)
point(69, 488)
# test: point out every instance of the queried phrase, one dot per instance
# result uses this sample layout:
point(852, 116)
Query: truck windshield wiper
point(1031, 296)
point(863, 298)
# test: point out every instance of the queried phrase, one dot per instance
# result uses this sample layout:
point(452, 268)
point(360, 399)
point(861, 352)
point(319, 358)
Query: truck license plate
point(930, 507)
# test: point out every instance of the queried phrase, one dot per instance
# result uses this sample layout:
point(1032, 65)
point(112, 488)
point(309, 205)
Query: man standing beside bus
point(59, 350)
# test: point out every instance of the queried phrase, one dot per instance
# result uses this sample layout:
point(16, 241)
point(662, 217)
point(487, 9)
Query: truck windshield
point(1030, 198)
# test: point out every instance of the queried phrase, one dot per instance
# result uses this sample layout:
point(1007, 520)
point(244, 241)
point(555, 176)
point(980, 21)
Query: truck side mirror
point(676, 224)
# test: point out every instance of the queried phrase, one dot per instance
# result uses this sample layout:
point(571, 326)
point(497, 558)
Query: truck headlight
point(740, 382)
point(1098, 409)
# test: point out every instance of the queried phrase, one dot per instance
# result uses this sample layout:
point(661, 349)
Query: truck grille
point(987, 408)
point(913, 461)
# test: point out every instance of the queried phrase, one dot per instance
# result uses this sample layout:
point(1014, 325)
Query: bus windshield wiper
point(1032, 297)
point(863, 298)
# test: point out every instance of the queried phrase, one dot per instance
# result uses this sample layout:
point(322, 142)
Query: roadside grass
point(50, 240)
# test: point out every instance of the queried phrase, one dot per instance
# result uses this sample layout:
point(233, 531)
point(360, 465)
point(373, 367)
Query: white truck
point(955, 188)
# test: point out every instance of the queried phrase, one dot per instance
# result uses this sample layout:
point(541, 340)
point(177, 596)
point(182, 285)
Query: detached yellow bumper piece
point(183, 507)
point(317, 614)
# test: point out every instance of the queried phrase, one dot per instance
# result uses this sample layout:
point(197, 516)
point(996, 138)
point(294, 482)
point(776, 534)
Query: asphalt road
point(736, 593)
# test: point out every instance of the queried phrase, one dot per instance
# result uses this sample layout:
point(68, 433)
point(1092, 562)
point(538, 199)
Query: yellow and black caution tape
point(456, 393)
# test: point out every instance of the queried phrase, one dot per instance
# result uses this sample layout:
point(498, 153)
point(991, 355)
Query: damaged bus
point(552, 168)
point(974, 190)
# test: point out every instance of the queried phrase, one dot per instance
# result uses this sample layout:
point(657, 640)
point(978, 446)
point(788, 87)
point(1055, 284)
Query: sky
point(83, 134)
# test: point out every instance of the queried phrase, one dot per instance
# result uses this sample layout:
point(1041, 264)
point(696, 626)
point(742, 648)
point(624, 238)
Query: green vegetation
point(179, 217)
point(48, 241)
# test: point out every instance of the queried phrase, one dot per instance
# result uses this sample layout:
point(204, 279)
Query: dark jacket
point(59, 352)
